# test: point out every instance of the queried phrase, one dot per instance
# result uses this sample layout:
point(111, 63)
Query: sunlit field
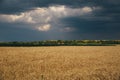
point(60, 63)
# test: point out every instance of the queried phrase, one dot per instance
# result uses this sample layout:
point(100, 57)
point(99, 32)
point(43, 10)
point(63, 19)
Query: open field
point(60, 63)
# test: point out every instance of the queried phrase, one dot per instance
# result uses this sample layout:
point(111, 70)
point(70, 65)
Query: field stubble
point(60, 63)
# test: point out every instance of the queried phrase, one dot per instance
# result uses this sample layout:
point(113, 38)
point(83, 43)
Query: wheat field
point(60, 63)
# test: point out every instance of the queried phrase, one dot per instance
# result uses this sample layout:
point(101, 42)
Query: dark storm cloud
point(94, 29)
point(110, 8)
point(103, 24)
point(13, 6)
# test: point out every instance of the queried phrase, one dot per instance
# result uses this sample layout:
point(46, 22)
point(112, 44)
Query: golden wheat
point(60, 63)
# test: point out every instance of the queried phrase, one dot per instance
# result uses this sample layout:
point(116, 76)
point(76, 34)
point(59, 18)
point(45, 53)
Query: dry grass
point(60, 63)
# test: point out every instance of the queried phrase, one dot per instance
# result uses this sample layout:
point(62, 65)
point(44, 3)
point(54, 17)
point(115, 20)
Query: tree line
point(62, 43)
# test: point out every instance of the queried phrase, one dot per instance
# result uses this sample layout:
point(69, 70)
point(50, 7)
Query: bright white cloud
point(23, 17)
point(45, 27)
point(46, 16)
point(86, 9)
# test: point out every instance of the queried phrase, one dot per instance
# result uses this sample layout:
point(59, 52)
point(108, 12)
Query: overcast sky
point(32, 20)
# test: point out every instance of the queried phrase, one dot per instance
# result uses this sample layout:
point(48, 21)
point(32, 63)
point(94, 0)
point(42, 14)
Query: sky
point(34, 20)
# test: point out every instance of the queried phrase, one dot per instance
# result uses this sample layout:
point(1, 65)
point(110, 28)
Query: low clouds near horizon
point(47, 20)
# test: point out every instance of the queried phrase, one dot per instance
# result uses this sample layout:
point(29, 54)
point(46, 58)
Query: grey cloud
point(95, 27)
point(16, 6)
